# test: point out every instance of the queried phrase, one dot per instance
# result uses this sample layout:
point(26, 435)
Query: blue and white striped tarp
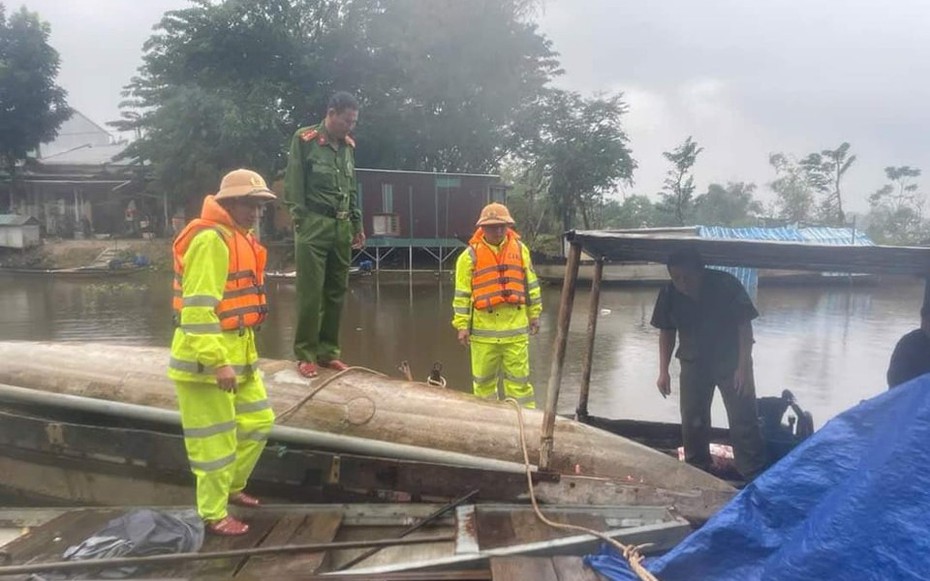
point(749, 277)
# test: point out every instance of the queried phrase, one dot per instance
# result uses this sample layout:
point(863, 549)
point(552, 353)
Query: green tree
point(794, 195)
point(227, 83)
point(218, 88)
point(32, 106)
point(733, 205)
point(531, 207)
point(452, 77)
point(824, 172)
point(896, 209)
point(677, 197)
point(580, 145)
point(635, 211)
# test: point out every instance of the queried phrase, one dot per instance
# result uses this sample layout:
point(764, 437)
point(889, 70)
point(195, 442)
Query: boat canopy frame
point(626, 247)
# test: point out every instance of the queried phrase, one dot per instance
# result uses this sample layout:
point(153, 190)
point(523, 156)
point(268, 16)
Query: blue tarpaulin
point(851, 502)
point(812, 235)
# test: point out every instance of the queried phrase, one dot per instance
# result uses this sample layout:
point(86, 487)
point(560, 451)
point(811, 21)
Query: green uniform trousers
point(224, 434)
point(697, 393)
point(323, 252)
point(510, 361)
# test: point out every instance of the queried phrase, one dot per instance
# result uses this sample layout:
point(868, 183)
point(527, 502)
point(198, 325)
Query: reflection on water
point(828, 345)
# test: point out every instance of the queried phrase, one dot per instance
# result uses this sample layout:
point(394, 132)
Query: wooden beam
point(558, 354)
point(926, 303)
point(593, 311)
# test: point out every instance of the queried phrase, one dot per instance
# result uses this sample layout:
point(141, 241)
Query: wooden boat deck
point(48, 541)
point(479, 541)
point(562, 568)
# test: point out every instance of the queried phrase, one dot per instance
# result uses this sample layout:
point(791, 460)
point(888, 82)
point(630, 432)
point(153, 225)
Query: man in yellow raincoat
point(219, 300)
point(497, 306)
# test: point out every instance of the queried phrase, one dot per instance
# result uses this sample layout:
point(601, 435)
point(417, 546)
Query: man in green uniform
point(712, 314)
point(321, 194)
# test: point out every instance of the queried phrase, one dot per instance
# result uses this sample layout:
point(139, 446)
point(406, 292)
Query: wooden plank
point(280, 535)
point(494, 529)
point(259, 526)
point(589, 520)
point(25, 548)
point(294, 530)
point(573, 569)
point(498, 528)
point(48, 542)
point(522, 569)
point(528, 528)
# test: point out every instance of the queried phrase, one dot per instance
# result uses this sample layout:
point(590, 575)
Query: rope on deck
point(630, 552)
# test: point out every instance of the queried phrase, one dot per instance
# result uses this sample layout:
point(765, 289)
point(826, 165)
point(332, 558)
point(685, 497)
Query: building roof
point(430, 173)
point(774, 254)
point(87, 155)
point(815, 234)
point(17, 220)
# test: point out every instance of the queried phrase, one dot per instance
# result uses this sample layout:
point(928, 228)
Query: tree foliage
point(227, 83)
point(32, 106)
point(896, 209)
point(678, 194)
point(794, 196)
point(580, 146)
point(730, 205)
point(824, 172)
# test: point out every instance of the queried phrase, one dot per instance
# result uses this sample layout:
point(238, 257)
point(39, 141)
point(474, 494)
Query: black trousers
point(697, 384)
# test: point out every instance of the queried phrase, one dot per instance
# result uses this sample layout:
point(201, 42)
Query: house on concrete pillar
point(422, 212)
point(413, 215)
point(74, 187)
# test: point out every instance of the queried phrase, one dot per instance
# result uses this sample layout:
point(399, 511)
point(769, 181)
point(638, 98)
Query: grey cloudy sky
point(745, 78)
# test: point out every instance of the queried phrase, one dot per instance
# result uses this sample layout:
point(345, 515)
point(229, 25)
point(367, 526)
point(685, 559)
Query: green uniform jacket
point(504, 323)
point(320, 176)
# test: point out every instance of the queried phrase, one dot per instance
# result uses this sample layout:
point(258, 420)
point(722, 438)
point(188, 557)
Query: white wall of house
point(19, 236)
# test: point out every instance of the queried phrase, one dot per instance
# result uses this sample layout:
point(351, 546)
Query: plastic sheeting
point(813, 235)
point(138, 533)
point(851, 502)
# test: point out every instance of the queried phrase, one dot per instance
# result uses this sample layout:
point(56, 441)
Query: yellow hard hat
point(495, 214)
point(244, 183)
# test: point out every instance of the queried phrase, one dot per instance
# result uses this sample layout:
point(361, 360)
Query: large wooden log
point(357, 404)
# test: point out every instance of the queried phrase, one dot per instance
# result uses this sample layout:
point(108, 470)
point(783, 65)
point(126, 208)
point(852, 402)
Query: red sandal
point(243, 499)
point(307, 369)
point(227, 527)
point(334, 364)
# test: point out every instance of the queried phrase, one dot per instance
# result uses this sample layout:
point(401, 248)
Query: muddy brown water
point(829, 345)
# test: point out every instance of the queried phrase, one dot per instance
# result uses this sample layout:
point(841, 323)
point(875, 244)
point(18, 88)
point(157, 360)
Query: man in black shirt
point(712, 314)
point(911, 356)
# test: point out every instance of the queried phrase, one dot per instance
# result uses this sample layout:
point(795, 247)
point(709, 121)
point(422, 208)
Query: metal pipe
point(312, 438)
point(558, 354)
point(581, 412)
point(188, 557)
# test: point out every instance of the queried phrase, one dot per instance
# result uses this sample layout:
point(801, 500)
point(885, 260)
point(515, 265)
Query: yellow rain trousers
point(224, 433)
point(499, 337)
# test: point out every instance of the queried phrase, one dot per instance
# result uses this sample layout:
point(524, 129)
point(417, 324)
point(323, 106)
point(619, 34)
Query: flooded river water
point(830, 346)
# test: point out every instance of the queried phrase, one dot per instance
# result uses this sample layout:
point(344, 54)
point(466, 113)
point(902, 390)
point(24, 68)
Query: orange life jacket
point(500, 277)
point(243, 303)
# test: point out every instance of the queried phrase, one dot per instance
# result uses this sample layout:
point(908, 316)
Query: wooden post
point(581, 412)
point(926, 303)
point(558, 354)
